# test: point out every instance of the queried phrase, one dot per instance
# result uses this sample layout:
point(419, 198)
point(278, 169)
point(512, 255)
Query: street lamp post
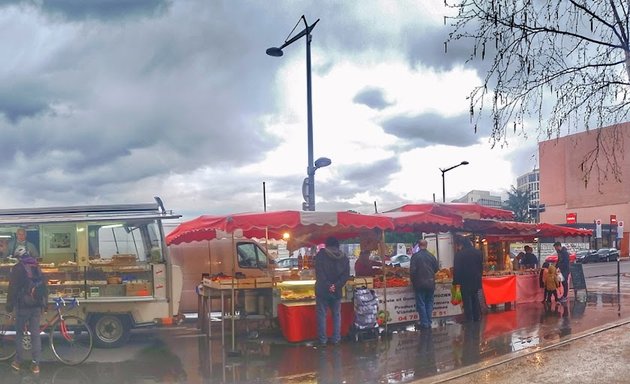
point(443, 172)
point(308, 187)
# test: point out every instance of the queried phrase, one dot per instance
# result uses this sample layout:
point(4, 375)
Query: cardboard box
point(138, 289)
point(249, 282)
point(112, 290)
point(264, 282)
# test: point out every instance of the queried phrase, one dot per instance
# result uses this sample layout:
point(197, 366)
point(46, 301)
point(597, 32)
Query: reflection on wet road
point(181, 355)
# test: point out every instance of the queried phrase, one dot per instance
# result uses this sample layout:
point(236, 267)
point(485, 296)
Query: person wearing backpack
point(422, 271)
point(27, 288)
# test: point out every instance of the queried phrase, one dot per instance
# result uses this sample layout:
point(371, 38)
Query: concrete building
point(481, 197)
point(572, 197)
point(529, 182)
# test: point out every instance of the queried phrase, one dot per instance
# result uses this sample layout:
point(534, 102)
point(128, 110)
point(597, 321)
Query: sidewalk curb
point(464, 371)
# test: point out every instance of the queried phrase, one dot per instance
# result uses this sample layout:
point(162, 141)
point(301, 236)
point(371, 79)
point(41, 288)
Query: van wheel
point(110, 331)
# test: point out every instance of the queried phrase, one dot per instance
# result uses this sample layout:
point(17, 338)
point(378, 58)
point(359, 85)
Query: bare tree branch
point(553, 65)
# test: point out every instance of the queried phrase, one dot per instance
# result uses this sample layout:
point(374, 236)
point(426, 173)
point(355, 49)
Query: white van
point(216, 257)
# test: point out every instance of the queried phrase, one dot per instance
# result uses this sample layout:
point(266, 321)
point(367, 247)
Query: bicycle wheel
point(71, 340)
point(7, 337)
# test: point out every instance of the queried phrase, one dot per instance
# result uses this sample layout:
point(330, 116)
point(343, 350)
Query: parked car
point(586, 256)
point(400, 260)
point(608, 254)
point(287, 262)
point(554, 258)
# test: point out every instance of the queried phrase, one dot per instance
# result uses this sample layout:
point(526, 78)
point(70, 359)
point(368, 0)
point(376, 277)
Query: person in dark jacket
point(422, 271)
point(332, 270)
point(467, 273)
point(563, 264)
point(364, 266)
point(530, 261)
point(25, 314)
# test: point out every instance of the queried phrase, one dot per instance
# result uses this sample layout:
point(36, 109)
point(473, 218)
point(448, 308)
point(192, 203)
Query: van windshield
point(250, 255)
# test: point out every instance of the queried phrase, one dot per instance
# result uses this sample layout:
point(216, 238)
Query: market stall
point(502, 282)
point(290, 301)
point(294, 307)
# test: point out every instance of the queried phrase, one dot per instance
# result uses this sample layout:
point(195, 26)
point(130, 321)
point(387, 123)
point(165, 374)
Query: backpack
point(35, 293)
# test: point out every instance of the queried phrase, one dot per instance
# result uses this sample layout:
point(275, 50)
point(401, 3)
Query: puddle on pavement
point(402, 355)
point(406, 354)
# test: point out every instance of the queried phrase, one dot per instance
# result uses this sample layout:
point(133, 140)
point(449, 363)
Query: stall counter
point(298, 320)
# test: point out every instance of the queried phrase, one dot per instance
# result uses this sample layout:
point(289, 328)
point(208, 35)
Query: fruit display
point(391, 282)
point(444, 275)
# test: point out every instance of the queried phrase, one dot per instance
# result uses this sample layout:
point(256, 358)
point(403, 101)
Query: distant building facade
point(482, 198)
point(530, 183)
point(570, 198)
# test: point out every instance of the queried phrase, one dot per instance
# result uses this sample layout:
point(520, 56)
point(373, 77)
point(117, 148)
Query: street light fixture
point(308, 186)
point(443, 172)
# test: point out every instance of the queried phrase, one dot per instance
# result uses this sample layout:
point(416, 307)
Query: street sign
point(620, 229)
point(598, 229)
point(613, 219)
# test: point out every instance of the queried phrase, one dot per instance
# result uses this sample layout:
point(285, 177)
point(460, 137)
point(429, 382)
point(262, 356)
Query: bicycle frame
point(59, 303)
point(75, 342)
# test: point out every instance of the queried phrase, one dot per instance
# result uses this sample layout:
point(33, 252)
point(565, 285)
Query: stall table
point(517, 289)
point(206, 292)
point(499, 289)
point(298, 320)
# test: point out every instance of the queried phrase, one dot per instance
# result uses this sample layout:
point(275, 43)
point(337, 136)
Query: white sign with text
point(401, 303)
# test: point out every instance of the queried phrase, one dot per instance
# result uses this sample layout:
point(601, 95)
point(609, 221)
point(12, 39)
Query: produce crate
point(264, 282)
point(112, 290)
point(367, 282)
point(219, 284)
point(138, 289)
point(124, 259)
point(249, 282)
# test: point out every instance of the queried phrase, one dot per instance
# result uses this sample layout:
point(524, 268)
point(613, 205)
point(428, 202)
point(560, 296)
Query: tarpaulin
point(313, 226)
point(462, 210)
point(499, 290)
point(528, 289)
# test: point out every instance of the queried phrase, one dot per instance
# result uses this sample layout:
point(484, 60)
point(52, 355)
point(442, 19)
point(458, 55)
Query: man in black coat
point(467, 273)
point(422, 273)
point(332, 270)
point(563, 264)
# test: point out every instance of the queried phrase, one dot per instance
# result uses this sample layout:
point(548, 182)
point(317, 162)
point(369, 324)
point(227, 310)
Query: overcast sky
point(117, 101)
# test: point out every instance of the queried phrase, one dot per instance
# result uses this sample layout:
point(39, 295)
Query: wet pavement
point(500, 347)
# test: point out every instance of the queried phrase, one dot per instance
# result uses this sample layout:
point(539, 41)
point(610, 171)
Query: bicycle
point(70, 337)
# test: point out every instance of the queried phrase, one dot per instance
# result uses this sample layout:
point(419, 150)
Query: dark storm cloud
point(121, 96)
point(123, 102)
point(20, 100)
point(432, 129)
point(372, 97)
point(428, 46)
point(524, 158)
point(105, 10)
point(370, 176)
